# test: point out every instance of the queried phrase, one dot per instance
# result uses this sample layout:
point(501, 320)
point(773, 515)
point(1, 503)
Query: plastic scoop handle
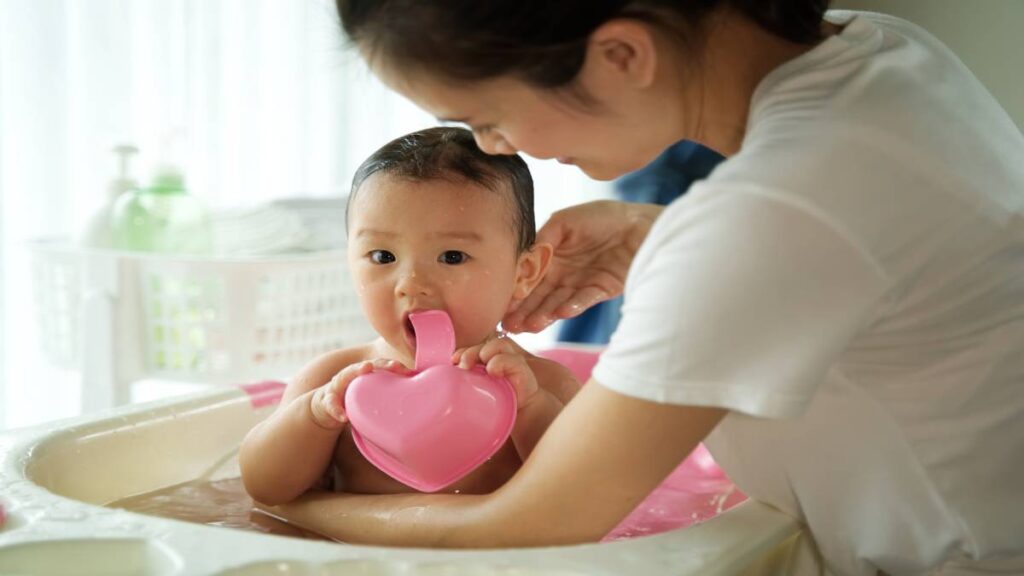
point(435, 338)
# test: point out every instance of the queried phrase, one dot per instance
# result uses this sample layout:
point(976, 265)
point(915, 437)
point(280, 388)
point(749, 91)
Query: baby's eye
point(382, 257)
point(453, 257)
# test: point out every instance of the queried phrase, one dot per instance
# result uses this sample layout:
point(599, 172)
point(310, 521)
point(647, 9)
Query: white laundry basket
point(119, 317)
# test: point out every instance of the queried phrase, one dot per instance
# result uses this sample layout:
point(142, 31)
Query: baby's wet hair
point(451, 153)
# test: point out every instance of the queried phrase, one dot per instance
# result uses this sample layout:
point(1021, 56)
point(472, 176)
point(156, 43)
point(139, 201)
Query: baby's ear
point(533, 264)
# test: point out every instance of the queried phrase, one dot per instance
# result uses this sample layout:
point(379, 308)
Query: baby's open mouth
point(410, 330)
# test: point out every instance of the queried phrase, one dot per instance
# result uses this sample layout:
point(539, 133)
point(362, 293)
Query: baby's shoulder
point(321, 369)
point(554, 377)
point(335, 360)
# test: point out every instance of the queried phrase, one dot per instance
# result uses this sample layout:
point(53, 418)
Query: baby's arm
point(558, 386)
point(542, 387)
point(288, 453)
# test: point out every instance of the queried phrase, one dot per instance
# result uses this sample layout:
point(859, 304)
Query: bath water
point(696, 491)
point(213, 502)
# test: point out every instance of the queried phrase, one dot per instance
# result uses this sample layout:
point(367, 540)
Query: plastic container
point(98, 231)
point(162, 218)
point(430, 428)
point(120, 317)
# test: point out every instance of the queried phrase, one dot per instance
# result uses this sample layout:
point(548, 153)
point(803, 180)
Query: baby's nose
point(412, 283)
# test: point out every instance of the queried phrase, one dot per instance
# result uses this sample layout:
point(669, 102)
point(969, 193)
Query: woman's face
point(618, 135)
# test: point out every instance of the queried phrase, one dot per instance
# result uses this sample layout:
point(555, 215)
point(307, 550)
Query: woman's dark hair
point(540, 42)
point(452, 153)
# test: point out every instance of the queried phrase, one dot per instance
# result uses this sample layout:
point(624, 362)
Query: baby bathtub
point(55, 479)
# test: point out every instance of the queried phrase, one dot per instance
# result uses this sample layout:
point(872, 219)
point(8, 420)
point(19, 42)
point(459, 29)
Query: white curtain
point(260, 96)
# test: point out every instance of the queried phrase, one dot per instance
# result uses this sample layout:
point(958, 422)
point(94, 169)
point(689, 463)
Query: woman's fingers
point(541, 309)
point(594, 246)
point(580, 301)
point(543, 315)
point(514, 319)
point(554, 231)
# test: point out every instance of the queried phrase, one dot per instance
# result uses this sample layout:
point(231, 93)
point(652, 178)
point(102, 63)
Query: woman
point(838, 308)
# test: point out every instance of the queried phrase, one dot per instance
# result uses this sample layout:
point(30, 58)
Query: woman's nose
point(494, 143)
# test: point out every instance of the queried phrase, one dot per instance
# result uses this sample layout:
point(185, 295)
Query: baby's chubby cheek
point(476, 327)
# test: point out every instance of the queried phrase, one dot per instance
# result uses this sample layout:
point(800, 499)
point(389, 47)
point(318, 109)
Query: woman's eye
point(453, 257)
point(382, 257)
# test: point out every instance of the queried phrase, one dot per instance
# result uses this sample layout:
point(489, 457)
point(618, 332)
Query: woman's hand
point(594, 245)
point(327, 404)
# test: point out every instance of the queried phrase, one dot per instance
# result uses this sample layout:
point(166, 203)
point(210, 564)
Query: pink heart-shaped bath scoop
point(431, 428)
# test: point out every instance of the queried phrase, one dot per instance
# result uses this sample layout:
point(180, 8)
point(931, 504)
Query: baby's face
point(431, 245)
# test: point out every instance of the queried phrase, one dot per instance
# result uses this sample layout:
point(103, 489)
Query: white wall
point(269, 101)
point(985, 34)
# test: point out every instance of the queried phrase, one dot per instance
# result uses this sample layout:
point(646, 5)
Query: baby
point(433, 223)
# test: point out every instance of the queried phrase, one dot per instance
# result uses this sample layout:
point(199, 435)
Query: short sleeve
point(741, 300)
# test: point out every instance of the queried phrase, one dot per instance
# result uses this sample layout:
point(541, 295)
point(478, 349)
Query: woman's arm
point(603, 454)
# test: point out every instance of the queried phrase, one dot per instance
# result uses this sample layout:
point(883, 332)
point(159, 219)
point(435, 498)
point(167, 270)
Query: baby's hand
point(503, 358)
point(327, 404)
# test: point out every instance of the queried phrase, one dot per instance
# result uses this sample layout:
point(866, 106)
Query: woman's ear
point(533, 264)
point(621, 51)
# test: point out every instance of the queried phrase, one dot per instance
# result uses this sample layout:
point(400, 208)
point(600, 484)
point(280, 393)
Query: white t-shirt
point(851, 286)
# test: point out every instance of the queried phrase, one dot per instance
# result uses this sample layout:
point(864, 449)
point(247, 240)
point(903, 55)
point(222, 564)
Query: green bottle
point(162, 218)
